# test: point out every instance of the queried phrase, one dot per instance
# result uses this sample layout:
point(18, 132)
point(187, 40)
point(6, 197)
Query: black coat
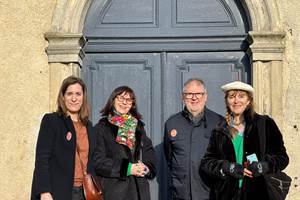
point(184, 146)
point(111, 161)
point(220, 148)
point(55, 157)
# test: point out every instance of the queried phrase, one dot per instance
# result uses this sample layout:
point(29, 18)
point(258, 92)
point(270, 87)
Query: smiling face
point(237, 101)
point(123, 103)
point(194, 97)
point(73, 98)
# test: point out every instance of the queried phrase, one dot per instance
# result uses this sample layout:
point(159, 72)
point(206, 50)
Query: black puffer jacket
point(185, 143)
point(220, 148)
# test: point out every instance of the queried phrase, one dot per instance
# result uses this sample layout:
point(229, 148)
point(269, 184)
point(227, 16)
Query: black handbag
point(278, 183)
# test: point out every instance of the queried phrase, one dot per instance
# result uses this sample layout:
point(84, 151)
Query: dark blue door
point(154, 46)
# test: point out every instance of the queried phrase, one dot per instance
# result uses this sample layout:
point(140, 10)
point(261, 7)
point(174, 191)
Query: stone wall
point(289, 12)
point(24, 89)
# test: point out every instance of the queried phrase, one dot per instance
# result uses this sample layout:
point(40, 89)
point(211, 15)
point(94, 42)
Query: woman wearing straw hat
point(234, 157)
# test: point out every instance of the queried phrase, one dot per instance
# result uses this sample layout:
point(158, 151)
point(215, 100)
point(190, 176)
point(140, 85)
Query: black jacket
point(111, 161)
point(184, 146)
point(220, 148)
point(55, 157)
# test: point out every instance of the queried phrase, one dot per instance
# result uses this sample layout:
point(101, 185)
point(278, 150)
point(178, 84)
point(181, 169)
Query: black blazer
point(55, 157)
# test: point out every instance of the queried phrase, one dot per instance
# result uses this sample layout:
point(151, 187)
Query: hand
point(139, 169)
point(248, 173)
point(46, 196)
point(233, 169)
point(259, 168)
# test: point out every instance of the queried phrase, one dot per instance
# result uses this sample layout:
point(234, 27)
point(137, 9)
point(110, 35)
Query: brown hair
point(109, 106)
point(248, 113)
point(84, 111)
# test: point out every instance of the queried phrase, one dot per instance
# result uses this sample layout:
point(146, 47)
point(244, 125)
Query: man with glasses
point(186, 138)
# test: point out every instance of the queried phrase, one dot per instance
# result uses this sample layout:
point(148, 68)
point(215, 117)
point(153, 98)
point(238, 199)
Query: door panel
point(168, 25)
point(141, 72)
point(167, 18)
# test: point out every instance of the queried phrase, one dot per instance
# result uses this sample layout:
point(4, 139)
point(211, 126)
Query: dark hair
point(109, 106)
point(248, 112)
point(84, 111)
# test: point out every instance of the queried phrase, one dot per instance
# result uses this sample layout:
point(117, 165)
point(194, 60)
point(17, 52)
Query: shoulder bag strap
point(77, 146)
point(81, 163)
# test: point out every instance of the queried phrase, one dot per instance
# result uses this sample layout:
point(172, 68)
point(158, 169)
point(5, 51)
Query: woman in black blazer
point(124, 157)
point(65, 138)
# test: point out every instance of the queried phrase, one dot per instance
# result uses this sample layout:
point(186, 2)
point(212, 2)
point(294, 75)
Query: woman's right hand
point(233, 169)
point(46, 196)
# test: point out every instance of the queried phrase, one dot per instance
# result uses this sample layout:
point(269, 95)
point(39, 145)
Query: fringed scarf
point(127, 125)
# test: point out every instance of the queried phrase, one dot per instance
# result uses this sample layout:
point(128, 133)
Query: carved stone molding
point(65, 47)
point(267, 50)
point(266, 46)
point(263, 15)
point(69, 15)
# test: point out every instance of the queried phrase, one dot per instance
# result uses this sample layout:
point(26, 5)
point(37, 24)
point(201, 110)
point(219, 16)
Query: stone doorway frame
point(266, 50)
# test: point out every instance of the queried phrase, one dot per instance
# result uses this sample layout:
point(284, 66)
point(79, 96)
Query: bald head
point(195, 81)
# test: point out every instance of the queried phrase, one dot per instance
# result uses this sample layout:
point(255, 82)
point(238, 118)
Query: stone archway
point(266, 50)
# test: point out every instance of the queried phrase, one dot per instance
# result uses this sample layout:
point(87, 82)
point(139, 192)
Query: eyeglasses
point(189, 95)
point(122, 99)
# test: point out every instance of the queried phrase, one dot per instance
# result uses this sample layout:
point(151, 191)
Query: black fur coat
point(221, 148)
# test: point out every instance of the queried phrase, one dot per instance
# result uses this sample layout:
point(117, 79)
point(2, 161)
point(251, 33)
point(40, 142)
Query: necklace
point(233, 123)
point(237, 124)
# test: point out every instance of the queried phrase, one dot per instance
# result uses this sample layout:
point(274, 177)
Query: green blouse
point(238, 144)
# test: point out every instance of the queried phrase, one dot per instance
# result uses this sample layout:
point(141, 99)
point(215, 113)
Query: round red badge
point(173, 133)
point(69, 136)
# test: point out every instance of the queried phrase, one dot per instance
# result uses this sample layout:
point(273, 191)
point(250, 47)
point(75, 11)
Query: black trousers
point(77, 193)
point(238, 195)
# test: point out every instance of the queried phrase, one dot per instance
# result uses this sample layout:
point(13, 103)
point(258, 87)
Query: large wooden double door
point(154, 46)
